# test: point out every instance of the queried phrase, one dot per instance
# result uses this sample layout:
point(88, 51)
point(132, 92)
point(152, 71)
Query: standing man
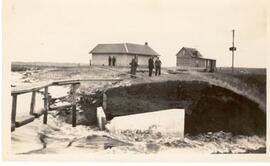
point(158, 66)
point(150, 66)
point(110, 60)
point(113, 61)
point(133, 67)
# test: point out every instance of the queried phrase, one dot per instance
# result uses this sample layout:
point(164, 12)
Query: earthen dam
point(209, 106)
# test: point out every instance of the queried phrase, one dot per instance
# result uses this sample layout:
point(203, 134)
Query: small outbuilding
point(122, 53)
point(191, 58)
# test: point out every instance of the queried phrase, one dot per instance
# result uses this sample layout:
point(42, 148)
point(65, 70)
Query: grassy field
point(253, 77)
point(23, 66)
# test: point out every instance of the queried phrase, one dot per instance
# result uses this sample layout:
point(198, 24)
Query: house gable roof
point(124, 48)
point(109, 48)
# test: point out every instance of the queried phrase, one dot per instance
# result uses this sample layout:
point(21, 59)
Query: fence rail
point(15, 123)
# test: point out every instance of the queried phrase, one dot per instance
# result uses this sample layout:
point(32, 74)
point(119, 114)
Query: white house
point(123, 54)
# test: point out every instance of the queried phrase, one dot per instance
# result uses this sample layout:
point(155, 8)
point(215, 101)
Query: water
point(59, 137)
point(24, 100)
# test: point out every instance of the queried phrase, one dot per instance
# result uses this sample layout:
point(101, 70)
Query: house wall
point(191, 62)
point(186, 61)
point(121, 59)
point(143, 60)
point(102, 59)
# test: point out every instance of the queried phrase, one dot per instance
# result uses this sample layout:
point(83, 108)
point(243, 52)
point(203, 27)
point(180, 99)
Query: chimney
point(146, 43)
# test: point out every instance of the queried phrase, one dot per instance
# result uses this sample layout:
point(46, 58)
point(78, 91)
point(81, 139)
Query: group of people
point(156, 65)
point(151, 66)
point(112, 61)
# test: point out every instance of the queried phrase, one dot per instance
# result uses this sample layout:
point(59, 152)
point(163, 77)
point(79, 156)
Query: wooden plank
point(45, 105)
point(51, 108)
point(37, 114)
point(27, 89)
point(67, 82)
point(33, 103)
point(102, 79)
point(21, 121)
point(74, 105)
point(77, 81)
point(14, 107)
point(38, 86)
point(74, 115)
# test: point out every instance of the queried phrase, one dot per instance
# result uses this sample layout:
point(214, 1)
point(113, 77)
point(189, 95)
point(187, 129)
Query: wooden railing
point(34, 89)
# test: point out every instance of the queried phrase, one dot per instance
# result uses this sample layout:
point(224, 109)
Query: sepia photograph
point(129, 79)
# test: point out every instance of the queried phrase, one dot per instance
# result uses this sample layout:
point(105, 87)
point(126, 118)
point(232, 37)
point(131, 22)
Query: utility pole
point(233, 49)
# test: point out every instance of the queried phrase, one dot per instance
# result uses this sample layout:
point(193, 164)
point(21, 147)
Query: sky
point(66, 30)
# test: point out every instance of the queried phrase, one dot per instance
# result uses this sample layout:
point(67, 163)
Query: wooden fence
point(15, 123)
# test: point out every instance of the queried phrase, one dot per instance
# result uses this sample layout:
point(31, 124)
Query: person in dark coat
point(133, 67)
point(158, 66)
point(150, 66)
point(110, 60)
point(113, 61)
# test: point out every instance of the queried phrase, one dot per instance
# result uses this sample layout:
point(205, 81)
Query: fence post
point(13, 112)
point(33, 103)
point(73, 91)
point(45, 105)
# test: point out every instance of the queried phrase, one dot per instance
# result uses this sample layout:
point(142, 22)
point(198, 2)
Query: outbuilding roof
point(124, 48)
point(193, 52)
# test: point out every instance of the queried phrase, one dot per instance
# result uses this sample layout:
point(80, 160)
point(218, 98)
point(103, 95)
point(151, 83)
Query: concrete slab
point(169, 122)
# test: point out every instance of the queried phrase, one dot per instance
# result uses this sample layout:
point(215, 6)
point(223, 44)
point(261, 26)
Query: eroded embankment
point(209, 108)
